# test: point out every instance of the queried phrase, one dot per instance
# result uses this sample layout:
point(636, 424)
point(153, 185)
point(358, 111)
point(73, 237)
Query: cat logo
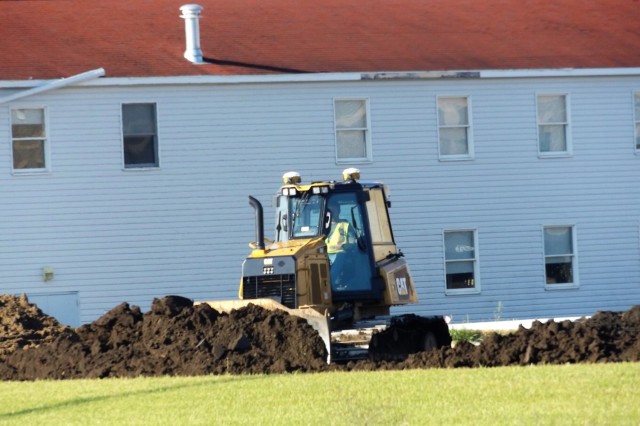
point(401, 284)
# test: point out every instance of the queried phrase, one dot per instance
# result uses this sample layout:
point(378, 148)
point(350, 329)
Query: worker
point(339, 234)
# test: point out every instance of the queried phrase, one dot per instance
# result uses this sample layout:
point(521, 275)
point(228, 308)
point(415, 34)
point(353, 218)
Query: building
point(509, 134)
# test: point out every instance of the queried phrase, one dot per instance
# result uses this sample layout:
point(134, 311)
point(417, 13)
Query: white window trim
point(47, 141)
point(567, 124)
point(462, 157)
point(574, 243)
point(368, 145)
point(476, 264)
point(635, 121)
point(140, 168)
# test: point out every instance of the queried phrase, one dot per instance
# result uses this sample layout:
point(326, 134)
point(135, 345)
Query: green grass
point(601, 394)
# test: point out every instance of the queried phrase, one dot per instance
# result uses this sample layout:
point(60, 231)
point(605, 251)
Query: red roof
point(58, 38)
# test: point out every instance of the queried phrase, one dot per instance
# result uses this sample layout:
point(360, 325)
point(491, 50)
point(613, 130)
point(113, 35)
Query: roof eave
point(338, 76)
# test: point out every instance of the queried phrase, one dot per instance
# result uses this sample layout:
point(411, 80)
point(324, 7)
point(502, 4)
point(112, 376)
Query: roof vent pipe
point(191, 15)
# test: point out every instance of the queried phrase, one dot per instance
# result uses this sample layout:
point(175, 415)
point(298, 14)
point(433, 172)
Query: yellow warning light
point(291, 178)
point(351, 174)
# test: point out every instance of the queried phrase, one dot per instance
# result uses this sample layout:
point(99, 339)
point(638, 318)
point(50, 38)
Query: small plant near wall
point(465, 335)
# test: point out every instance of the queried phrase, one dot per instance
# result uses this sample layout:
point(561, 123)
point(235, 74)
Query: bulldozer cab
point(351, 220)
point(333, 250)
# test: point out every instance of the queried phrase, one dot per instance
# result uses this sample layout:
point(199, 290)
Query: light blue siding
point(114, 235)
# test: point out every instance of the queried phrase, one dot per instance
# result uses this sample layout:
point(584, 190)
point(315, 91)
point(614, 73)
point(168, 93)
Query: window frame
point(470, 155)
point(144, 166)
point(476, 289)
point(635, 105)
point(46, 139)
point(368, 158)
point(574, 259)
point(568, 152)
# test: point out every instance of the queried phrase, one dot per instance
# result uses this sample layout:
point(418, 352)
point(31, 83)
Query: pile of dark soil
point(177, 337)
point(173, 338)
point(605, 337)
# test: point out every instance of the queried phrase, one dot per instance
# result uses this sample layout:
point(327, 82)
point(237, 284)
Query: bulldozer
point(334, 262)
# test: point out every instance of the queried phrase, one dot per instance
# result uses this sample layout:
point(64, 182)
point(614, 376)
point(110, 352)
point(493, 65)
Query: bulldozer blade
point(319, 322)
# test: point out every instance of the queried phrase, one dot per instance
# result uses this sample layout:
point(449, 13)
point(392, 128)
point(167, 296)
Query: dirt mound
point(173, 338)
point(605, 337)
point(177, 337)
point(23, 325)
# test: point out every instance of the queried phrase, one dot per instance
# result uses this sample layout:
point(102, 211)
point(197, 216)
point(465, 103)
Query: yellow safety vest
point(337, 238)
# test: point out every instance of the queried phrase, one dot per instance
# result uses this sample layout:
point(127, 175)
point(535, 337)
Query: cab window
point(305, 215)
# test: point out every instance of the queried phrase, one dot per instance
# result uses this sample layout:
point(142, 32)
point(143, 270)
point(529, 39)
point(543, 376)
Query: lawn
point(599, 394)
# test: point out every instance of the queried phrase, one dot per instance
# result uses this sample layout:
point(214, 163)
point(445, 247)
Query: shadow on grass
point(87, 400)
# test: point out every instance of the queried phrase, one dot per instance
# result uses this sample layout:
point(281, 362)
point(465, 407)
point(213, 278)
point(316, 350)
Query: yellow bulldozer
point(334, 262)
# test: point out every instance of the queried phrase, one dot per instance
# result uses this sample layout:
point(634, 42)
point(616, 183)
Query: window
point(461, 261)
point(29, 139)
point(553, 125)
point(139, 134)
point(637, 119)
point(454, 128)
point(559, 256)
point(306, 216)
point(353, 140)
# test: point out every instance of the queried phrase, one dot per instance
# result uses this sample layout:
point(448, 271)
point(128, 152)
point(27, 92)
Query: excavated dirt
point(173, 338)
point(177, 337)
point(605, 337)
